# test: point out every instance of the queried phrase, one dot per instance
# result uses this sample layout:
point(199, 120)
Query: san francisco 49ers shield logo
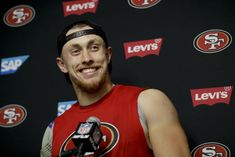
point(143, 4)
point(212, 41)
point(211, 149)
point(19, 16)
point(12, 115)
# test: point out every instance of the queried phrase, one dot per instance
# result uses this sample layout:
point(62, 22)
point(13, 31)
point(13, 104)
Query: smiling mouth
point(89, 70)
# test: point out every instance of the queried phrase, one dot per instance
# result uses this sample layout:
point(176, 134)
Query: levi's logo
point(142, 48)
point(80, 7)
point(211, 96)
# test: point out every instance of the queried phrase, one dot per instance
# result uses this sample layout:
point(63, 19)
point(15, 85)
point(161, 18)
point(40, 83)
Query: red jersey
point(123, 135)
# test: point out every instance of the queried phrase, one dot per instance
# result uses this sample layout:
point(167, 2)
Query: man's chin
point(91, 85)
point(91, 88)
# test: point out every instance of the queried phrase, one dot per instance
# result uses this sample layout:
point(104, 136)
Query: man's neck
point(86, 99)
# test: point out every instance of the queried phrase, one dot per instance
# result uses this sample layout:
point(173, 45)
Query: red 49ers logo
point(211, 149)
point(142, 4)
point(12, 115)
point(19, 15)
point(212, 41)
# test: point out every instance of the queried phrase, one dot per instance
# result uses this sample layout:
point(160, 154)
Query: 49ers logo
point(109, 140)
point(211, 149)
point(212, 41)
point(19, 15)
point(12, 115)
point(142, 4)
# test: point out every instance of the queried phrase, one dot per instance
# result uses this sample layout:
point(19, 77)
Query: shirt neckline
point(98, 102)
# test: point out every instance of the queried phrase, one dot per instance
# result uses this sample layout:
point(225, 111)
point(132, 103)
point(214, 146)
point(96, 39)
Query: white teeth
point(88, 70)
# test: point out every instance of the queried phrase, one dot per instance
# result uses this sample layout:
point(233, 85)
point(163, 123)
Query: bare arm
point(47, 142)
point(166, 135)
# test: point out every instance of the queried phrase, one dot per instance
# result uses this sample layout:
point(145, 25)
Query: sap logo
point(12, 64)
point(65, 105)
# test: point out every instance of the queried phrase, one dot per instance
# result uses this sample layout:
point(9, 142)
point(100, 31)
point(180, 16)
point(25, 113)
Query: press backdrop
point(182, 47)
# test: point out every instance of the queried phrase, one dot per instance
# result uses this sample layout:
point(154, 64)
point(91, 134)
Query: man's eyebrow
point(74, 45)
point(90, 42)
point(94, 41)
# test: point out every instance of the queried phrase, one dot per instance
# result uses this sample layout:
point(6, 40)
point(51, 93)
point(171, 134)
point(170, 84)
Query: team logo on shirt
point(109, 140)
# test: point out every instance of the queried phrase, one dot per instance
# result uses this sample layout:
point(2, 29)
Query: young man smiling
point(134, 121)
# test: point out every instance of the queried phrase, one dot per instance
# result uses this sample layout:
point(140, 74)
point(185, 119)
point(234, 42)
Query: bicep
point(165, 132)
point(169, 140)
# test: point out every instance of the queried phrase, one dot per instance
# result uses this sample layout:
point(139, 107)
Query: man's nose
point(86, 57)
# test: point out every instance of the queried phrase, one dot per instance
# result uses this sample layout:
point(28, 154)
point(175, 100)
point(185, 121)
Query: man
point(134, 121)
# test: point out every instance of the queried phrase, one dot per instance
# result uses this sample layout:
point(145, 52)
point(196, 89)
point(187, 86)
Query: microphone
point(87, 136)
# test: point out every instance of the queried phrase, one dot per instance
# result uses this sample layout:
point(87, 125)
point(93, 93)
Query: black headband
point(82, 33)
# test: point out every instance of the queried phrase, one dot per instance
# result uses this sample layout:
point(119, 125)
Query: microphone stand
point(80, 153)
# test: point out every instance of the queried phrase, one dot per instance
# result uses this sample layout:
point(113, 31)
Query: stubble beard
point(91, 87)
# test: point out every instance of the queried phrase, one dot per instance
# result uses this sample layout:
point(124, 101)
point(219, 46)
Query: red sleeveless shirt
point(123, 135)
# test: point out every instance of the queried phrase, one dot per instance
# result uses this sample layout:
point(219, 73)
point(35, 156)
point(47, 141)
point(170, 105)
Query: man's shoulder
point(129, 87)
point(152, 92)
point(156, 101)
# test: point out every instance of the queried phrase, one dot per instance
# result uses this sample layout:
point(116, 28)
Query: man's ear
point(109, 54)
point(61, 65)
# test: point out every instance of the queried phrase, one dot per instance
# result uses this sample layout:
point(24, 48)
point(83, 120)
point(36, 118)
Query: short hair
point(62, 36)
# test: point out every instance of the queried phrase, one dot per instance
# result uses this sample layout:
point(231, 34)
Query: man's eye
point(94, 48)
point(75, 51)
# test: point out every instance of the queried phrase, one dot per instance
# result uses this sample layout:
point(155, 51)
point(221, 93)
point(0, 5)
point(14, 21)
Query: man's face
point(86, 60)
